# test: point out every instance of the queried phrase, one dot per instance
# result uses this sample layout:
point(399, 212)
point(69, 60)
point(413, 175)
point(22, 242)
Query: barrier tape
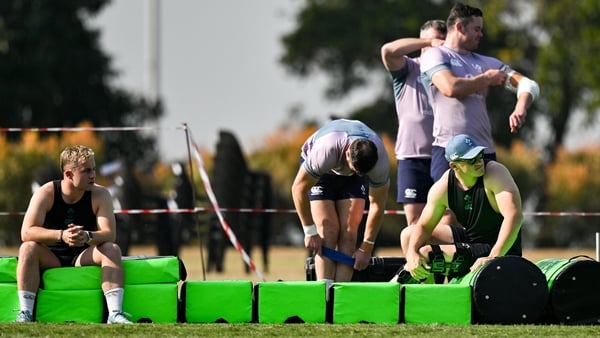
point(57, 129)
point(293, 211)
point(224, 224)
point(230, 234)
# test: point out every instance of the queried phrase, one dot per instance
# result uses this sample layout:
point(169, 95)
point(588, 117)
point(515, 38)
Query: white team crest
point(455, 62)
point(317, 190)
point(410, 193)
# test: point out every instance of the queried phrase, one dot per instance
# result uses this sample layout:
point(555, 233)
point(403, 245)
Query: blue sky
point(218, 68)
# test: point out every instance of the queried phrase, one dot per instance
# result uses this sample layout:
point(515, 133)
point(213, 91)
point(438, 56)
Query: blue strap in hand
point(337, 256)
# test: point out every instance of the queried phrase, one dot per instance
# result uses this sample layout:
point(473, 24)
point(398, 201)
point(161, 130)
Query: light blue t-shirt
point(324, 151)
point(415, 115)
point(466, 115)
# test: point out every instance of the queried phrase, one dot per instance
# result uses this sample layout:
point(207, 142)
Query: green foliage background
point(51, 68)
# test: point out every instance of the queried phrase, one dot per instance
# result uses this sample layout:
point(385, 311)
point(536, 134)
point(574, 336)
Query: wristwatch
point(90, 237)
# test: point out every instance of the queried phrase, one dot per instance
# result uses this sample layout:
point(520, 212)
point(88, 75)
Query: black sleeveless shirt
point(474, 212)
point(62, 214)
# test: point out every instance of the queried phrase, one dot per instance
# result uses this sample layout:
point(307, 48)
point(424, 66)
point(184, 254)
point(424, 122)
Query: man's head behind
point(438, 26)
point(74, 155)
point(363, 155)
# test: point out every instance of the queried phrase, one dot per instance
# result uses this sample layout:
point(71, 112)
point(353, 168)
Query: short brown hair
point(363, 155)
point(463, 13)
point(438, 25)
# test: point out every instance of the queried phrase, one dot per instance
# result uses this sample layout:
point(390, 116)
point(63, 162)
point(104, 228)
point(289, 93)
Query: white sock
point(114, 300)
point(328, 283)
point(27, 300)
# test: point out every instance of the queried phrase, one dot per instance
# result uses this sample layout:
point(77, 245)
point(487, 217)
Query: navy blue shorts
point(336, 187)
point(439, 165)
point(414, 180)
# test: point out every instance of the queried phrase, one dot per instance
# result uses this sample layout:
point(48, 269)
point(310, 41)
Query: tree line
point(53, 69)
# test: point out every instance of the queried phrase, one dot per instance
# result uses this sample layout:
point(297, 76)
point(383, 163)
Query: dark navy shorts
point(414, 180)
point(336, 187)
point(439, 164)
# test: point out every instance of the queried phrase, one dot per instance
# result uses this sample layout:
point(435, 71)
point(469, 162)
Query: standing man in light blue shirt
point(415, 116)
point(458, 79)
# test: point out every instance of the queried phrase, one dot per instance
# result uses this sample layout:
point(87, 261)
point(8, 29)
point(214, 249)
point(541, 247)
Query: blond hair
point(74, 155)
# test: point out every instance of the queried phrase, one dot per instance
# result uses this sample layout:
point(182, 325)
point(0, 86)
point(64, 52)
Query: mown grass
point(292, 330)
point(287, 264)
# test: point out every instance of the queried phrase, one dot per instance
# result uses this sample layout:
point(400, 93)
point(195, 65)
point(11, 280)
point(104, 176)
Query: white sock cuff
point(328, 282)
point(114, 291)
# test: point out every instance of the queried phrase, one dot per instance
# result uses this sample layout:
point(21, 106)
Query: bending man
point(342, 164)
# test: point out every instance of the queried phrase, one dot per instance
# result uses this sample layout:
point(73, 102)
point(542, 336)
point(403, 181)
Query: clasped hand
point(74, 235)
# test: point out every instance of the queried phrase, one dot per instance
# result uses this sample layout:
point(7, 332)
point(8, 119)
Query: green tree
point(551, 41)
point(342, 39)
point(53, 73)
point(569, 37)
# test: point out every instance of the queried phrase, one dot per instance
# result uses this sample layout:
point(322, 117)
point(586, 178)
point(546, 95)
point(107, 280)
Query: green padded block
point(155, 303)
point(217, 301)
point(72, 278)
point(79, 306)
point(290, 302)
point(152, 270)
point(468, 279)
point(436, 303)
point(367, 302)
point(9, 306)
point(8, 269)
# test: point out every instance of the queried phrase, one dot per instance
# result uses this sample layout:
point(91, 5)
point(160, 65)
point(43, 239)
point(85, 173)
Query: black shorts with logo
point(337, 187)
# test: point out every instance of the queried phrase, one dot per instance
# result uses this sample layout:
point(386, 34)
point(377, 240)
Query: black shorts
point(414, 180)
point(337, 187)
point(476, 250)
point(466, 253)
point(68, 256)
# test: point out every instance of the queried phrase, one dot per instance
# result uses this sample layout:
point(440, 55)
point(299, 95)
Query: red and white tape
point(293, 211)
point(213, 199)
point(215, 207)
point(57, 129)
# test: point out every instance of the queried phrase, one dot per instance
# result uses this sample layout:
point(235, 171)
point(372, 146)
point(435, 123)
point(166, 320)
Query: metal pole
point(598, 246)
point(191, 170)
point(152, 50)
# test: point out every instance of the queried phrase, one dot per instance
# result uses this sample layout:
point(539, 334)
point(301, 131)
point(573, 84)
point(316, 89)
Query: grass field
point(287, 263)
point(292, 330)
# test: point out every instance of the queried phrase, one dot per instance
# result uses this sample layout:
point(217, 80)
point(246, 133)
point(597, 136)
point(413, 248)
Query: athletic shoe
point(118, 318)
point(404, 277)
point(24, 317)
